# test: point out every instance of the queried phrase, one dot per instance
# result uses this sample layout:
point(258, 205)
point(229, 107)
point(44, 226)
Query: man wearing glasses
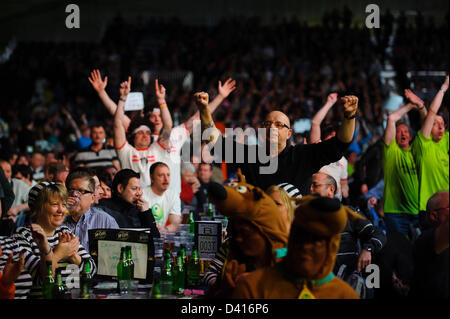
point(82, 217)
point(294, 164)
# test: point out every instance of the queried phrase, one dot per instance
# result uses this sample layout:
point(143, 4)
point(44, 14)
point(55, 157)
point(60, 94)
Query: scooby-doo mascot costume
point(246, 206)
point(306, 271)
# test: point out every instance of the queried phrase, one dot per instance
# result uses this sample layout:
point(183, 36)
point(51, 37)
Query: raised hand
point(444, 85)
point(125, 88)
point(228, 87)
point(332, 98)
point(96, 80)
point(201, 99)
point(350, 103)
point(160, 91)
point(12, 270)
point(414, 99)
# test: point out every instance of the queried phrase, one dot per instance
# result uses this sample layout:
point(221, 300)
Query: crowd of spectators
point(51, 115)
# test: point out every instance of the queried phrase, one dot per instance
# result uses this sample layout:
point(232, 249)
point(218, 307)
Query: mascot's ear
point(257, 193)
point(352, 215)
point(240, 176)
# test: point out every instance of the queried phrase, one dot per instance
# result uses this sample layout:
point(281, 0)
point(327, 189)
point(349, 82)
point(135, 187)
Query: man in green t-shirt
point(430, 151)
point(401, 185)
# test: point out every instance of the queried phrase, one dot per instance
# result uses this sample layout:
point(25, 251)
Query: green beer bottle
point(183, 254)
point(179, 276)
point(191, 222)
point(130, 262)
point(166, 281)
point(156, 289)
point(85, 281)
point(59, 290)
point(49, 282)
point(210, 210)
point(193, 270)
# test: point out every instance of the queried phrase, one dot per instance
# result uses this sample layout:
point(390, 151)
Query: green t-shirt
point(401, 185)
point(432, 166)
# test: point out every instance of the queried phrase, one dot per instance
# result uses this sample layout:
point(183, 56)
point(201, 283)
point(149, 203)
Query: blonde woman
point(46, 239)
point(285, 204)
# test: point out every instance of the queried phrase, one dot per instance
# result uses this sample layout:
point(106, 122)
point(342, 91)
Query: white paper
point(134, 102)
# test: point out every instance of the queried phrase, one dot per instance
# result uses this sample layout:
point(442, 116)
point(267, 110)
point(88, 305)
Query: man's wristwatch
point(350, 117)
point(368, 249)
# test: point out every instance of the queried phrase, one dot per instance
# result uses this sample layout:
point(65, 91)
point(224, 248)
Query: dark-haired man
point(164, 203)
point(140, 156)
point(126, 205)
point(401, 184)
point(98, 154)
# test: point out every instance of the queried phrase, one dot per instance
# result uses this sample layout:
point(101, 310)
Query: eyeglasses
point(276, 123)
point(82, 191)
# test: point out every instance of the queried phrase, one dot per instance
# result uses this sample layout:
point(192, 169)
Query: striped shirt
point(24, 282)
point(214, 269)
point(91, 158)
point(32, 265)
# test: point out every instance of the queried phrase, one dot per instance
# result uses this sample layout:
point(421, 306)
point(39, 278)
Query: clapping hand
point(12, 270)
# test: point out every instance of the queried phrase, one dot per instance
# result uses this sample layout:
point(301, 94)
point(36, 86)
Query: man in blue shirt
point(82, 216)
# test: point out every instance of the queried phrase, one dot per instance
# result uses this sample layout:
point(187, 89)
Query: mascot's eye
point(233, 184)
point(242, 189)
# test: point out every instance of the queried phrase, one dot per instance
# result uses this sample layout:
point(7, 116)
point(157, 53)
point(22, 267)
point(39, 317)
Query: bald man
point(431, 268)
point(284, 163)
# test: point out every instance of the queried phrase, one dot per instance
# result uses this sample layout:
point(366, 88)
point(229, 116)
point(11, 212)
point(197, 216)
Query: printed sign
point(208, 238)
point(105, 244)
point(134, 102)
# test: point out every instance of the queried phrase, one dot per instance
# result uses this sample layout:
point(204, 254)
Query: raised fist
point(332, 98)
point(202, 99)
point(350, 103)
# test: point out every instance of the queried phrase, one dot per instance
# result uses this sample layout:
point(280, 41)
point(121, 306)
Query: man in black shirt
point(286, 163)
point(126, 205)
point(430, 251)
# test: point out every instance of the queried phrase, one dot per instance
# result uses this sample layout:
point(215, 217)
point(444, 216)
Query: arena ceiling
point(30, 20)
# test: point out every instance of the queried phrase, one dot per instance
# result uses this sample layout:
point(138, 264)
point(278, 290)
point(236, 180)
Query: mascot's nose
point(217, 191)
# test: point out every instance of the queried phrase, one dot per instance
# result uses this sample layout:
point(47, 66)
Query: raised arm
point(201, 99)
point(99, 86)
point(420, 105)
point(314, 135)
point(434, 108)
point(347, 128)
point(164, 137)
point(72, 122)
point(119, 130)
point(224, 90)
point(393, 118)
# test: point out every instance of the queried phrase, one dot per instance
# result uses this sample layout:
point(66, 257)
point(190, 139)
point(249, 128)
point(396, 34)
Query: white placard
point(134, 102)
point(109, 255)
